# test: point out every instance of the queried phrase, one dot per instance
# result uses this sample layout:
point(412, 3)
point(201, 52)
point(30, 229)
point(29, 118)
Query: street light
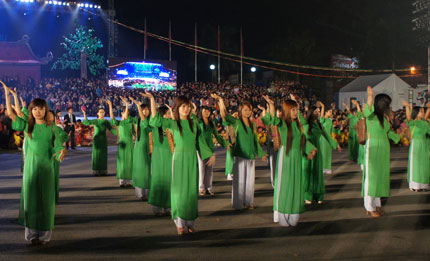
point(413, 77)
point(212, 67)
point(253, 69)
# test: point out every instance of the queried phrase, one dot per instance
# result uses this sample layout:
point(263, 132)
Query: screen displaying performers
point(146, 75)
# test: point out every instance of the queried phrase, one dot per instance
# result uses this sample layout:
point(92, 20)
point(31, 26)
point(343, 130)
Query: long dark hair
point(211, 124)
point(143, 106)
point(382, 107)
point(162, 111)
point(41, 103)
point(287, 106)
point(415, 112)
point(243, 104)
point(178, 103)
point(311, 118)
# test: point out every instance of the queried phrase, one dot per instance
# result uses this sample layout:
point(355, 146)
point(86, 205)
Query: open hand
point(147, 95)
point(134, 101)
point(268, 100)
point(216, 96)
point(369, 91)
point(264, 158)
point(211, 161)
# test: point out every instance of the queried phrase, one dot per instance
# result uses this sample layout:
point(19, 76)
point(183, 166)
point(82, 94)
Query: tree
point(81, 41)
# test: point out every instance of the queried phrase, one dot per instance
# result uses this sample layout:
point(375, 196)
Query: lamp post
point(413, 71)
point(212, 67)
point(253, 70)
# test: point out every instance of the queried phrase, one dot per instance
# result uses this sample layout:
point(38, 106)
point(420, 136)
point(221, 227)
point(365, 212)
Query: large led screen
point(142, 75)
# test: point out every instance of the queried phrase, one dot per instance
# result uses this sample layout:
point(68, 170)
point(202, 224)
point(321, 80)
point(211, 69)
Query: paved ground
point(98, 219)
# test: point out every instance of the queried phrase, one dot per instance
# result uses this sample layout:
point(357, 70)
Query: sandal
point(374, 214)
point(181, 231)
point(380, 211)
point(191, 230)
point(202, 192)
point(211, 192)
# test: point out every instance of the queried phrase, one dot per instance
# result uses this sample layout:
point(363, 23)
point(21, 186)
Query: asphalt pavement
point(96, 219)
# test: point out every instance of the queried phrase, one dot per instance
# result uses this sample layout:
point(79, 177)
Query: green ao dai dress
point(99, 148)
point(376, 174)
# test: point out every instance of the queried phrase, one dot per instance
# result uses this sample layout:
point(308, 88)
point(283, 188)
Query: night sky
point(379, 33)
point(305, 32)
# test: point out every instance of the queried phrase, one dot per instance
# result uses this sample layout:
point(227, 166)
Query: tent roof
point(360, 84)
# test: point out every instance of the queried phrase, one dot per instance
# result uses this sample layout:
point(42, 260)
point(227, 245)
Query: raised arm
point(139, 108)
point(369, 97)
point(126, 106)
point(427, 115)
point(16, 103)
point(172, 115)
point(110, 109)
point(23, 103)
point(355, 102)
point(272, 108)
point(347, 108)
point(408, 110)
point(9, 109)
point(84, 113)
point(321, 105)
point(222, 108)
point(263, 113)
point(152, 102)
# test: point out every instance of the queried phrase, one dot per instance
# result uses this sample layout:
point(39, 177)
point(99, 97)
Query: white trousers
point(286, 220)
point(370, 203)
point(205, 174)
point(272, 164)
point(125, 182)
point(182, 223)
point(243, 183)
point(141, 193)
point(414, 185)
point(31, 234)
point(157, 210)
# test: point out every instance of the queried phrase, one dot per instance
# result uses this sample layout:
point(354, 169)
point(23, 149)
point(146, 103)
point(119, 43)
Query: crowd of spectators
point(90, 94)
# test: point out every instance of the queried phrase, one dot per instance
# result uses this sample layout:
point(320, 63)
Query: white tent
point(389, 84)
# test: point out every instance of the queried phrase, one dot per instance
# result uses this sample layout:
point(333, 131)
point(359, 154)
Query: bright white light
point(55, 2)
point(91, 6)
point(212, 67)
point(68, 4)
point(122, 72)
point(164, 74)
point(86, 5)
point(253, 69)
point(99, 7)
